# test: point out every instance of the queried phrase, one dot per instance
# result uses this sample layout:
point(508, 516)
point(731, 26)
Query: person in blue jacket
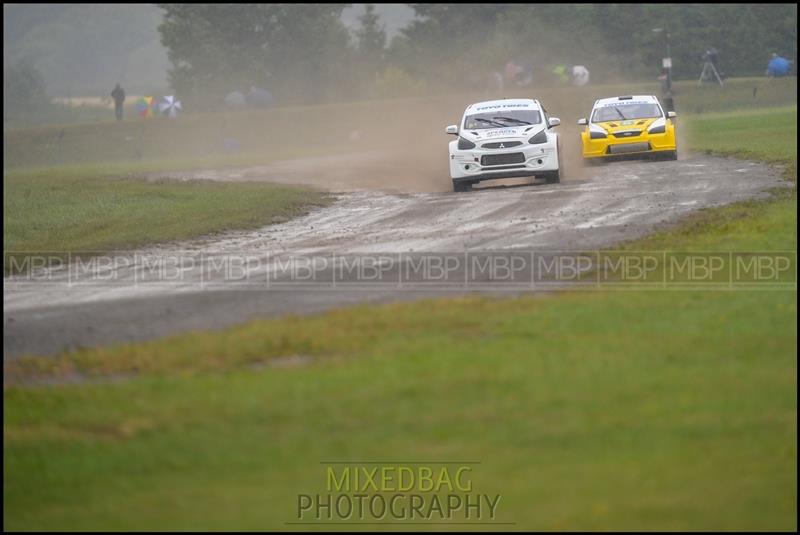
point(778, 66)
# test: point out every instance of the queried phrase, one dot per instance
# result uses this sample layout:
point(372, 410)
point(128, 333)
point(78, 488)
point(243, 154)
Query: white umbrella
point(580, 75)
point(170, 106)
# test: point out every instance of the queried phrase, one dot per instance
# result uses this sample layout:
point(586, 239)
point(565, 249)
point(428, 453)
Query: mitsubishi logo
point(502, 146)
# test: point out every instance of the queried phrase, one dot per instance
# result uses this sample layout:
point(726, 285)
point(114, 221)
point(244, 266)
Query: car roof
point(506, 103)
point(626, 99)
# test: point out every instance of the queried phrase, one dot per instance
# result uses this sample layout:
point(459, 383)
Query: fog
point(306, 54)
point(82, 50)
point(394, 17)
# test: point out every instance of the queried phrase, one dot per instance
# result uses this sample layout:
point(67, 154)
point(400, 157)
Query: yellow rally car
point(628, 126)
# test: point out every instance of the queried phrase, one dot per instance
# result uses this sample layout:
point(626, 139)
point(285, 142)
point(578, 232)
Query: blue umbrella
point(778, 66)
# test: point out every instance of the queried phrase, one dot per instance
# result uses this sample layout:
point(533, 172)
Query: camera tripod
point(708, 70)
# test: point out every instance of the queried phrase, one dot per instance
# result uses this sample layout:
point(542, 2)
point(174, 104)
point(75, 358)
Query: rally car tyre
point(553, 177)
point(460, 187)
point(665, 156)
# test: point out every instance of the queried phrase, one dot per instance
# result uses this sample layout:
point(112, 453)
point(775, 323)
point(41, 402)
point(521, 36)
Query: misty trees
point(448, 42)
point(25, 98)
point(371, 39)
point(294, 50)
point(23, 88)
point(744, 34)
point(378, 79)
point(303, 52)
point(83, 49)
point(445, 40)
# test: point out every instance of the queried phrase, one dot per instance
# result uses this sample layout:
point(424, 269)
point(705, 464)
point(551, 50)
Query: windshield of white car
point(492, 120)
point(626, 112)
point(484, 121)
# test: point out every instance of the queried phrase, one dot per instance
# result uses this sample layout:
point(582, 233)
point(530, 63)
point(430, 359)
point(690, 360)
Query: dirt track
point(590, 209)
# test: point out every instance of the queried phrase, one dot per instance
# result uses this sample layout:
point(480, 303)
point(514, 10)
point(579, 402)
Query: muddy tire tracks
point(593, 208)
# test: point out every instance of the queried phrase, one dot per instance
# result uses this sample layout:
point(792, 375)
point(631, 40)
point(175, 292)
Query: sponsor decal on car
point(495, 133)
point(505, 106)
point(624, 103)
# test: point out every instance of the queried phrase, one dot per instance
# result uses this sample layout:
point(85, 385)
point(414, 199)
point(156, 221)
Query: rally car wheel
point(460, 187)
point(665, 156)
point(554, 177)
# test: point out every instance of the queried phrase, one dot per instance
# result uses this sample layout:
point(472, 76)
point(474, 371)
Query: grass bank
point(94, 210)
point(766, 135)
point(585, 412)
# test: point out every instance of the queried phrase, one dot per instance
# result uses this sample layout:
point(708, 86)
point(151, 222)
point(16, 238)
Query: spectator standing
point(118, 94)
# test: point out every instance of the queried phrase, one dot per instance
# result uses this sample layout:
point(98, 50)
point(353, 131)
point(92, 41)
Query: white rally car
point(503, 139)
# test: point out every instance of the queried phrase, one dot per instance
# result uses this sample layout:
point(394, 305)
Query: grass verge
point(635, 410)
point(766, 135)
point(586, 412)
point(79, 211)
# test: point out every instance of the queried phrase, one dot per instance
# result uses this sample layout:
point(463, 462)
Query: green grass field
point(773, 140)
point(603, 410)
point(687, 421)
point(90, 211)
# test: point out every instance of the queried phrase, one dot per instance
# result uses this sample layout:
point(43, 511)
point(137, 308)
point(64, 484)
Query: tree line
point(302, 52)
